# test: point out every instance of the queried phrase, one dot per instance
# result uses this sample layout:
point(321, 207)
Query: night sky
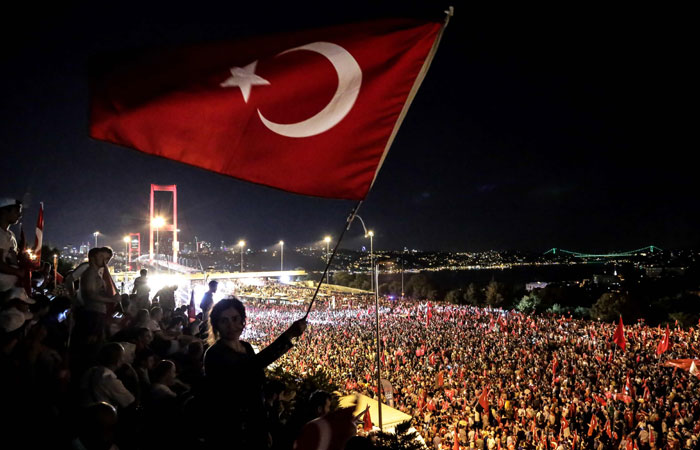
point(535, 128)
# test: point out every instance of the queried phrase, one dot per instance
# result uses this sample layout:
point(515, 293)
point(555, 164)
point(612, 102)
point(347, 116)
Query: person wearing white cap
point(16, 299)
point(10, 213)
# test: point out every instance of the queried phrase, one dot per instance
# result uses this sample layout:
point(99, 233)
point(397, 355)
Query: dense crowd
point(550, 381)
point(85, 367)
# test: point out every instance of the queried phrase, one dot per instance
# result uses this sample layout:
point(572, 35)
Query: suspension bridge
point(639, 251)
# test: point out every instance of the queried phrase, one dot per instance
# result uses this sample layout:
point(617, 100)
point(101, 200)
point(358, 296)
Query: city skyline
point(527, 133)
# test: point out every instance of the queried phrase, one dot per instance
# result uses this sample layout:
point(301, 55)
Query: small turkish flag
point(619, 336)
point(312, 112)
point(367, 421)
point(484, 399)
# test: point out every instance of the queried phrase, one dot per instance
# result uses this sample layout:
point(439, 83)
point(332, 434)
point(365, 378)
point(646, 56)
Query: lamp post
point(157, 223)
point(55, 271)
point(241, 244)
point(96, 233)
point(127, 255)
point(327, 240)
point(370, 234)
point(281, 256)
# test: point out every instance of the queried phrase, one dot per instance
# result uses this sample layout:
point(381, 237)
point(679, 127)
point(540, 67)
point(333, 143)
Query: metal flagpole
point(351, 217)
point(379, 362)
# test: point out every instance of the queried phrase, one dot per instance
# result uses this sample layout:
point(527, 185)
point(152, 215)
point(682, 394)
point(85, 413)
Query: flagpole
point(375, 274)
point(351, 217)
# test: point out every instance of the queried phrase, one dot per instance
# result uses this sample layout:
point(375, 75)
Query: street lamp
point(327, 240)
point(281, 256)
point(241, 244)
point(370, 234)
point(157, 223)
point(96, 233)
point(127, 255)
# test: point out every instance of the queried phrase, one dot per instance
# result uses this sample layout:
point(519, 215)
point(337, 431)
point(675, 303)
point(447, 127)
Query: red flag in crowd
point(608, 430)
point(593, 425)
point(456, 444)
point(367, 419)
point(663, 345)
point(484, 399)
point(259, 109)
point(683, 364)
point(191, 311)
point(619, 336)
point(600, 399)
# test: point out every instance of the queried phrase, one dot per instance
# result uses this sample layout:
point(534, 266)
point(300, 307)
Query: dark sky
point(535, 128)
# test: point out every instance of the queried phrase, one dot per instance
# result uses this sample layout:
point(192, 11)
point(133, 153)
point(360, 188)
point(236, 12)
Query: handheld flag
point(619, 336)
point(367, 420)
point(484, 399)
point(663, 345)
point(312, 112)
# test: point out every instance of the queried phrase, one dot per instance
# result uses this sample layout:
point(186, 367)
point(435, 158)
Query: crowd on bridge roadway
point(552, 381)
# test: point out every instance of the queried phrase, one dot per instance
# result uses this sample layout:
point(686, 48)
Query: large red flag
point(312, 112)
point(663, 345)
point(619, 336)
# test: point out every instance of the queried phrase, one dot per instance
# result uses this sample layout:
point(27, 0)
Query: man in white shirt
point(100, 383)
point(10, 213)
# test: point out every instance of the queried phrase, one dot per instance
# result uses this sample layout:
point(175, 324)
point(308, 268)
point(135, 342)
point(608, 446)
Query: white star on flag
point(244, 78)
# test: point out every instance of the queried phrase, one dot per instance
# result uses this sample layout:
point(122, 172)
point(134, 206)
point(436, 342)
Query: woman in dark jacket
point(234, 378)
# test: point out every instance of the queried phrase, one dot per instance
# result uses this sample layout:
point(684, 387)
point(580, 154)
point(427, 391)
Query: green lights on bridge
point(650, 248)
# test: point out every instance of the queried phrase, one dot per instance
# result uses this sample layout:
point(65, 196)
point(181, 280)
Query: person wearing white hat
point(10, 213)
point(16, 299)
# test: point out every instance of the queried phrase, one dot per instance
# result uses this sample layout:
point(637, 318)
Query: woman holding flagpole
point(235, 378)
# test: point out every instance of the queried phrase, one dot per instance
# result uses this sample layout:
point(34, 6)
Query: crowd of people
point(495, 379)
point(83, 366)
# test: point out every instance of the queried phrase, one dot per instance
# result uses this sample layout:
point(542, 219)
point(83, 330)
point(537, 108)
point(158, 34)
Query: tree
point(401, 439)
point(419, 286)
point(529, 303)
point(609, 306)
point(494, 294)
point(473, 295)
point(455, 296)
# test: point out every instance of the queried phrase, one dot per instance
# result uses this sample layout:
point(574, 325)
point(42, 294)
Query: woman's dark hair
point(219, 308)
point(161, 369)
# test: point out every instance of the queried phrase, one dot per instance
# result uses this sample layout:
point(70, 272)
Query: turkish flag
point(619, 336)
point(367, 425)
point(312, 112)
point(484, 399)
point(663, 345)
point(592, 426)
